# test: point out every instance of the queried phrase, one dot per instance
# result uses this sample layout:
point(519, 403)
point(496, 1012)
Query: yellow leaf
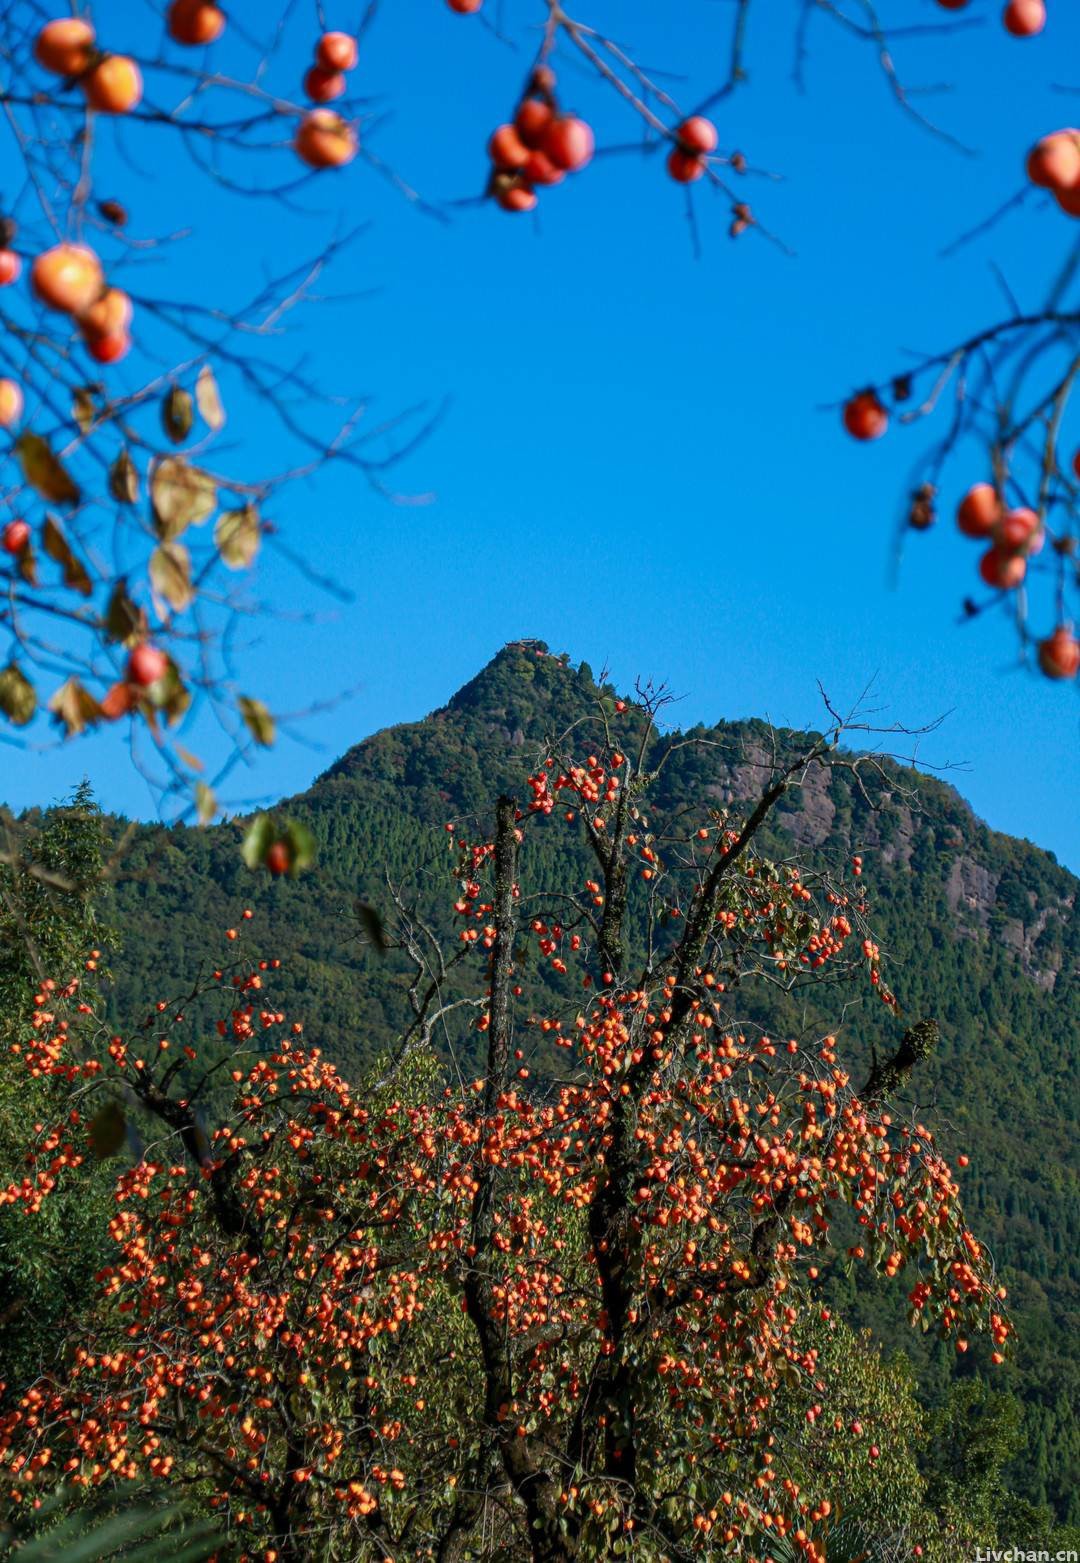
point(208, 398)
point(44, 472)
point(170, 575)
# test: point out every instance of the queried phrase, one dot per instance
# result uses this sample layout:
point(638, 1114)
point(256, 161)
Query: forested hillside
point(979, 929)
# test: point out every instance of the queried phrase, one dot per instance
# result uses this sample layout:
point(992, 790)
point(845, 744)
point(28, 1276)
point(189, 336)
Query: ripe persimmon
point(110, 347)
point(540, 170)
point(108, 314)
point(684, 167)
point(325, 140)
point(65, 46)
point(277, 858)
point(15, 536)
point(323, 86)
point(10, 267)
point(336, 52)
point(146, 665)
point(465, 7)
point(506, 148)
point(864, 416)
point(11, 403)
point(114, 85)
point(1001, 568)
point(1068, 199)
point(516, 197)
point(1054, 162)
point(1059, 654)
point(532, 120)
point(978, 511)
point(1024, 18)
point(195, 21)
point(697, 134)
point(569, 142)
point(67, 277)
point(1016, 528)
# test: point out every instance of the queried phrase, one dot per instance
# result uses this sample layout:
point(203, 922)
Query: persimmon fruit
point(516, 197)
point(1059, 654)
point(146, 665)
point(195, 21)
point(697, 134)
point(11, 403)
point(1001, 568)
point(325, 140)
point(864, 416)
point(538, 169)
point(569, 142)
point(323, 86)
point(1024, 18)
point(68, 277)
point(532, 120)
point(10, 267)
point(979, 510)
point(1054, 162)
point(65, 46)
point(277, 858)
point(108, 314)
point(15, 536)
point(465, 7)
point(336, 52)
point(110, 347)
point(114, 85)
point(1016, 528)
point(684, 167)
point(506, 148)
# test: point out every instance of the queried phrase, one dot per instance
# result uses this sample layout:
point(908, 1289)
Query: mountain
point(981, 929)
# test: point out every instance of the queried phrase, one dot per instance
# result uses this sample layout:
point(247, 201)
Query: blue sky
point(635, 463)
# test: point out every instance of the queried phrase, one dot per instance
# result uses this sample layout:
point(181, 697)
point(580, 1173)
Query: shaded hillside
point(980, 927)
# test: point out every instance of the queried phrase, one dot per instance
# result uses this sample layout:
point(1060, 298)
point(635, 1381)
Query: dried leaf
point(258, 840)
point(192, 761)
point(26, 564)
point(208, 398)
point(170, 694)
point(170, 575)
point(57, 547)
point(237, 535)
point(182, 496)
point(124, 619)
point(106, 1130)
point(83, 408)
point(18, 697)
point(205, 802)
point(124, 479)
point(75, 707)
point(178, 414)
point(44, 471)
point(258, 721)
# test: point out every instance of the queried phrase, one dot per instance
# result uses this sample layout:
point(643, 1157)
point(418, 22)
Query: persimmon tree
point(546, 1285)
point(122, 602)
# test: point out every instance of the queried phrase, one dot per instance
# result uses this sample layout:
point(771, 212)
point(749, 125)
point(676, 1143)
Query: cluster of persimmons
point(300, 1303)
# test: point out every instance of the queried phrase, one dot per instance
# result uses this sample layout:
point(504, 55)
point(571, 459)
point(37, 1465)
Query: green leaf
point(56, 545)
point(44, 471)
point(106, 1130)
point(124, 479)
point(181, 496)
point(258, 840)
point(18, 697)
point(208, 398)
point(178, 414)
point(170, 575)
point(257, 720)
point(237, 535)
point(301, 844)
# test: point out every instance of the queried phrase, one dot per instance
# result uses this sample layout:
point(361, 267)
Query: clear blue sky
point(634, 464)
